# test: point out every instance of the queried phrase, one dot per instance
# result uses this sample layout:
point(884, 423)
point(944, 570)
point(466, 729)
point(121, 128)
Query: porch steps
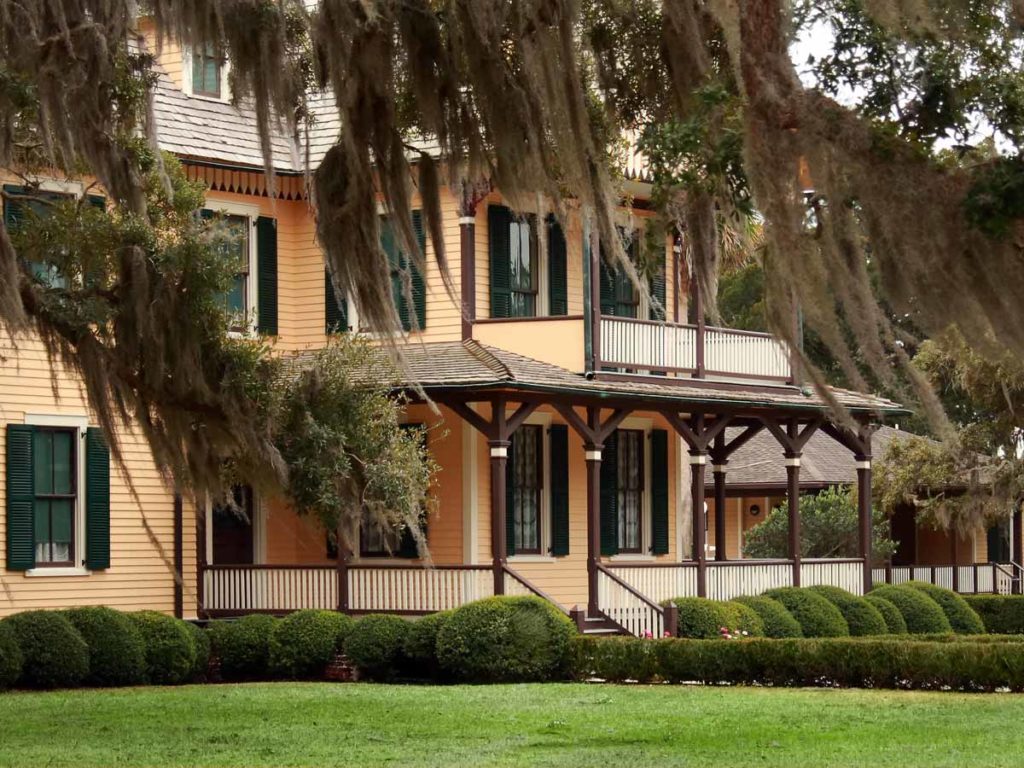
point(598, 626)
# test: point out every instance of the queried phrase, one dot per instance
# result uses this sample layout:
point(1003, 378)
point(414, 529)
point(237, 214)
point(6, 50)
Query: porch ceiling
point(463, 368)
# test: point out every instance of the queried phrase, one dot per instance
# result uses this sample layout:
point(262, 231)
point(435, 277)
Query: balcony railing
point(645, 345)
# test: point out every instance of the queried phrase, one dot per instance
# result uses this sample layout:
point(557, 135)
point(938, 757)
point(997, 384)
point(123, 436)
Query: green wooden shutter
point(657, 289)
point(608, 277)
point(266, 275)
point(499, 219)
point(510, 498)
point(659, 492)
point(335, 313)
point(559, 446)
point(558, 300)
point(97, 500)
point(14, 210)
point(419, 288)
point(21, 540)
point(610, 496)
point(407, 545)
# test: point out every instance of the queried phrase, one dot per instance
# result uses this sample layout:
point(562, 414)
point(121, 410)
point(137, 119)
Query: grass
point(548, 725)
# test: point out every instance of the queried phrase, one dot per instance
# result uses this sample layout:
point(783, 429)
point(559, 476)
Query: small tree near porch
point(828, 529)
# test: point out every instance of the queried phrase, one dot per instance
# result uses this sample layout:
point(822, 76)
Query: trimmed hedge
point(420, 646)
point(117, 654)
point(303, 643)
point(962, 618)
point(816, 615)
point(170, 649)
point(894, 623)
point(10, 657)
point(862, 617)
point(922, 614)
point(506, 639)
point(777, 621)
point(54, 654)
point(374, 645)
point(1001, 614)
point(201, 644)
point(243, 646)
point(700, 617)
point(850, 662)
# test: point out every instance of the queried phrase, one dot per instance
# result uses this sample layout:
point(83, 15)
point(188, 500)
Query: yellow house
point(574, 420)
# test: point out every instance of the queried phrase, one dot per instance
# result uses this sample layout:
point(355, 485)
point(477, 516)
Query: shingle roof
point(466, 365)
point(825, 462)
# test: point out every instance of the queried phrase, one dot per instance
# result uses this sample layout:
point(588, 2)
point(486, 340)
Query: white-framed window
point(239, 245)
point(530, 473)
point(205, 74)
point(58, 467)
point(633, 457)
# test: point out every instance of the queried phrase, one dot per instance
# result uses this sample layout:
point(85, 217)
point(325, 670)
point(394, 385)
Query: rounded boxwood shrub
point(861, 616)
point(746, 619)
point(10, 657)
point(701, 618)
point(117, 655)
point(506, 639)
point(303, 643)
point(54, 654)
point(170, 649)
point(777, 621)
point(922, 614)
point(201, 643)
point(1001, 614)
point(816, 615)
point(243, 646)
point(374, 645)
point(420, 646)
point(962, 618)
point(894, 622)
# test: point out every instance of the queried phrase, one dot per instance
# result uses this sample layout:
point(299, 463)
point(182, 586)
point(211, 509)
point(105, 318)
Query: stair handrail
point(669, 617)
point(535, 589)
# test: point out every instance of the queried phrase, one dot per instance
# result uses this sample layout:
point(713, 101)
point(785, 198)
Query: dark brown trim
point(538, 318)
point(467, 243)
point(179, 558)
point(595, 298)
point(201, 564)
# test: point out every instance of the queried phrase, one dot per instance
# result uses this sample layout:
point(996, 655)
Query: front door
point(233, 542)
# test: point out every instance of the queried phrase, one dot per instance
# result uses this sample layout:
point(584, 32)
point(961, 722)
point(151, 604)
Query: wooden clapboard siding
point(141, 560)
point(169, 54)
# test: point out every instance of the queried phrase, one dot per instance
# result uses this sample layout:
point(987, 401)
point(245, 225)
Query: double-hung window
point(55, 463)
point(236, 248)
point(522, 269)
point(207, 72)
point(631, 481)
point(527, 475)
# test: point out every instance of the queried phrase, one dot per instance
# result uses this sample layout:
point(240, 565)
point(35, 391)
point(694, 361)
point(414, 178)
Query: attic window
point(207, 72)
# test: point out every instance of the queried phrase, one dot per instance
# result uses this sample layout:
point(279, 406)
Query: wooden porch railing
point(627, 607)
point(515, 584)
point(372, 587)
point(658, 346)
point(974, 579)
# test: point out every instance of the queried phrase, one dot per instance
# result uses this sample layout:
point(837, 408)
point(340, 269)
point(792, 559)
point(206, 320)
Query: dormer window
point(206, 72)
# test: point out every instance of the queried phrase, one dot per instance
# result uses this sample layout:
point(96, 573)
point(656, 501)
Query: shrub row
point(1000, 614)
point(850, 662)
point(100, 647)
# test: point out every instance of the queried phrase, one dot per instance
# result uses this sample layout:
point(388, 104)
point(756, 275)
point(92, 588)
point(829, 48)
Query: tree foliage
point(828, 528)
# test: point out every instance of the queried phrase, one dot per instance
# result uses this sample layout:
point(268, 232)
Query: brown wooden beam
point(179, 557)
point(697, 468)
point(467, 243)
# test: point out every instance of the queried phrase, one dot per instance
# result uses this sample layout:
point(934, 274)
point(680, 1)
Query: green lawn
point(556, 725)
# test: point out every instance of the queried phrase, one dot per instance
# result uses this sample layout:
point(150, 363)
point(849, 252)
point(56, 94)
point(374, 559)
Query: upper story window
point(525, 282)
point(206, 73)
point(238, 249)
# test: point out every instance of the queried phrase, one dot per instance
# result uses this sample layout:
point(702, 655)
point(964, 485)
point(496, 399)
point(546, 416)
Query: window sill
point(632, 558)
point(532, 558)
point(69, 570)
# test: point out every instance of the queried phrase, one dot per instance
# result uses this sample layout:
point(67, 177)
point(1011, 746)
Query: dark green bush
point(304, 642)
point(894, 623)
point(922, 614)
point(700, 617)
point(962, 618)
point(743, 618)
point(201, 644)
point(243, 646)
point(374, 646)
point(862, 617)
point(777, 621)
point(853, 662)
point(816, 615)
point(117, 655)
point(506, 639)
point(54, 654)
point(170, 649)
point(420, 647)
point(1001, 614)
point(10, 657)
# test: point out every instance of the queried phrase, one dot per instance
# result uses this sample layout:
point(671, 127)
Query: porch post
point(793, 500)
point(864, 515)
point(1016, 549)
point(718, 469)
point(593, 459)
point(467, 241)
point(499, 543)
point(698, 462)
point(179, 557)
point(953, 536)
point(342, 571)
point(594, 264)
point(201, 563)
